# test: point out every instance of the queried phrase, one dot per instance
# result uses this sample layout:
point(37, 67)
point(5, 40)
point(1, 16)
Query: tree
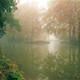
point(29, 18)
point(7, 8)
point(64, 17)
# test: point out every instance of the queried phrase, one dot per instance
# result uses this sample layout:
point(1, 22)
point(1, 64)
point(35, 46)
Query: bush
point(8, 70)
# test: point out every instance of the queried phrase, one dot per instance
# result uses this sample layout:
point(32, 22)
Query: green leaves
point(8, 70)
point(13, 23)
point(7, 7)
point(17, 76)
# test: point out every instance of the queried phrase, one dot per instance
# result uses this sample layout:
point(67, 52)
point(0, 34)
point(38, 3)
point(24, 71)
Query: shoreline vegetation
point(9, 70)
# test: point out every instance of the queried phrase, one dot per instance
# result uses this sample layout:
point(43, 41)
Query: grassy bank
point(8, 70)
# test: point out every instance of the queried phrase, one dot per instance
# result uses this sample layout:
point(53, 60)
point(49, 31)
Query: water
point(53, 61)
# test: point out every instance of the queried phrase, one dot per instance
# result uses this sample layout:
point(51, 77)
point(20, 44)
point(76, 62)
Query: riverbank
point(9, 70)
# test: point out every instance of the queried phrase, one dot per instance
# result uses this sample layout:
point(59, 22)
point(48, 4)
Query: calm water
point(53, 61)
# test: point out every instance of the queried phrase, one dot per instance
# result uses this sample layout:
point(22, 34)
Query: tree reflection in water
point(38, 63)
point(64, 65)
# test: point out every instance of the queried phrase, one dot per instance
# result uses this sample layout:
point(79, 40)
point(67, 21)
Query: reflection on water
point(52, 61)
point(52, 47)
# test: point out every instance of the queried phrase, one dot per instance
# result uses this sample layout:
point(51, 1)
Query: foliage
point(8, 70)
point(13, 23)
point(62, 17)
point(7, 7)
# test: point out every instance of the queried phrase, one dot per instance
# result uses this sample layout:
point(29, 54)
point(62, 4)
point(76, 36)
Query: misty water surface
point(53, 61)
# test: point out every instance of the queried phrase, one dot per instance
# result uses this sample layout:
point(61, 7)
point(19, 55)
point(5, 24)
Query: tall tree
point(7, 8)
point(64, 15)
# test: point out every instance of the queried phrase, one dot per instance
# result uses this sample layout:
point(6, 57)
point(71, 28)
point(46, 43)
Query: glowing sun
point(40, 4)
